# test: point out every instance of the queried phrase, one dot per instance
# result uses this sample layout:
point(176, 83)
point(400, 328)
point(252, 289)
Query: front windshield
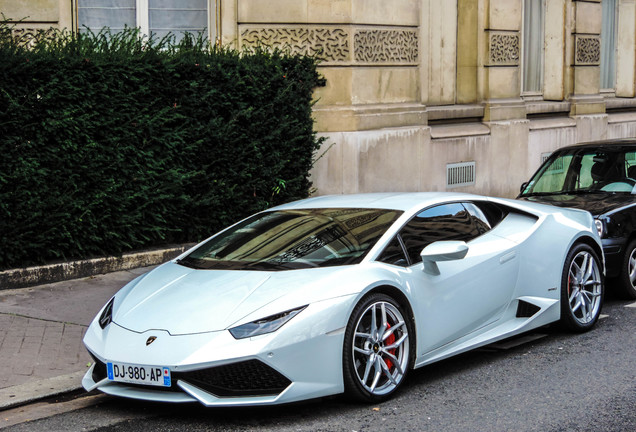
point(292, 239)
point(585, 171)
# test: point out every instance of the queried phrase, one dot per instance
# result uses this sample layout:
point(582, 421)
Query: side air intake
point(526, 310)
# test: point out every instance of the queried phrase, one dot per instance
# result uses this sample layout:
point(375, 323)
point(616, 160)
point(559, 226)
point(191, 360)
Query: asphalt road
point(557, 382)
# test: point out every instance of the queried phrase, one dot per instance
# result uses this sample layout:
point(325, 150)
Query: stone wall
point(414, 89)
point(34, 15)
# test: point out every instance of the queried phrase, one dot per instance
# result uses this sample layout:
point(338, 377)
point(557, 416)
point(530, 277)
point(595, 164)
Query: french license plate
point(136, 374)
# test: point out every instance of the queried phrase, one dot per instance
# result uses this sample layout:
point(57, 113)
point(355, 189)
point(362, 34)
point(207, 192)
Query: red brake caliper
point(389, 341)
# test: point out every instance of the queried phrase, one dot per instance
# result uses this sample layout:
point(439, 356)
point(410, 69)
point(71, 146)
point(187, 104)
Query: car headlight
point(107, 315)
point(264, 325)
point(600, 227)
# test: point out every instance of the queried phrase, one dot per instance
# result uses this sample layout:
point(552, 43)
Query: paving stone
point(41, 328)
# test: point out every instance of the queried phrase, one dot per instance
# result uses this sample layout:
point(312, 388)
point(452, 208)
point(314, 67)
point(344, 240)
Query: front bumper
point(250, 381)
point(613, 249)
point(302, 360)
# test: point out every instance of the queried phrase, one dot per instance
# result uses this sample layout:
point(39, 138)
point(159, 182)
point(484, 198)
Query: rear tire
point(377, 349)
point(626, 287)
point(582, 289)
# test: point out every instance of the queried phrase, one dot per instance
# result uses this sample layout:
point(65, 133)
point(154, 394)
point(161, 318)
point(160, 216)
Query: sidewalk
point(41, 350)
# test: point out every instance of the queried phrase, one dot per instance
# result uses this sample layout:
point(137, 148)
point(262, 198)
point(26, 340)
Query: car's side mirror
point(442, 251)
point(523, 187)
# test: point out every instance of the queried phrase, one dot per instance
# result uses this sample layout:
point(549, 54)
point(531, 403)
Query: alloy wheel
point(584, 287)
point(631, 269)
point(380, 348)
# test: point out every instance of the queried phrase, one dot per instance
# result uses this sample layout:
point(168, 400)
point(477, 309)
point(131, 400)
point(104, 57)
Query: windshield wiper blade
point(190, 263)
point(567, 192)
point(540, 193)
point(584, 191)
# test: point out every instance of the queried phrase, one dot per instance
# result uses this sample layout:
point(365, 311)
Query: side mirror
point(523, 187)
point(442, 251)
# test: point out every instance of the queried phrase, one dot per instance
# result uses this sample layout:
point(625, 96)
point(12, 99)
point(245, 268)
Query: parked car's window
point(553, 177)
point(586, 171)
point(630, 163)
point(444, 222)
point(292, 239)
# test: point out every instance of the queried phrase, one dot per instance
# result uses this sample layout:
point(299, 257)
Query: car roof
point(610, 144)
point(389, 200)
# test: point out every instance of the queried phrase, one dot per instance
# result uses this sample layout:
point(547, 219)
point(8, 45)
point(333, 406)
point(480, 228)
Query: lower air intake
point(247, 378)
point(526, 310)
point(99, 371)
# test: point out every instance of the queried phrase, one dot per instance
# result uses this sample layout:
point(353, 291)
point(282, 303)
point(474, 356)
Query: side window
point(444, 222)
point(492, 212)
point(394, 254)
point(479, 218)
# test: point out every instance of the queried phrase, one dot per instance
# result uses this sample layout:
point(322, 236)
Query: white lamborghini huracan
point(344, 294)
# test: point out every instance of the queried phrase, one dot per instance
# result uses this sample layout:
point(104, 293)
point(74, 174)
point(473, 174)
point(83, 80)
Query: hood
point(596, 203)
point(182, 300)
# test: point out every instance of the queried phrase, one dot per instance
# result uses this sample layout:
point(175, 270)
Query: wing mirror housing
point(442, 251)
point(523, 187)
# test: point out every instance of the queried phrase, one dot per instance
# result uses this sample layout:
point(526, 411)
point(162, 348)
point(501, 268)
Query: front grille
point(246, 378)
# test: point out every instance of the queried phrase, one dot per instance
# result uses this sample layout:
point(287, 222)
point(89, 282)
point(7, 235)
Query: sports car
point(344, 294)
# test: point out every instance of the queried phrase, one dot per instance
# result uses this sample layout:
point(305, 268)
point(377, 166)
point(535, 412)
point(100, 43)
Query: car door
point(468, 294)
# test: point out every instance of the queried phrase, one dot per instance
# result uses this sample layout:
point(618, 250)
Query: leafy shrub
point(110, 143)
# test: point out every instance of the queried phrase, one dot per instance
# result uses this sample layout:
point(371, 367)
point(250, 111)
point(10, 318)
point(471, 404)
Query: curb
point(38, 275)
point(11, 397)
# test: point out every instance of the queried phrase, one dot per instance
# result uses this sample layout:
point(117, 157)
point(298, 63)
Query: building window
point(177, 16)
point(115, 14)
point(608, 44)
point(533, 31)
point(153, 17)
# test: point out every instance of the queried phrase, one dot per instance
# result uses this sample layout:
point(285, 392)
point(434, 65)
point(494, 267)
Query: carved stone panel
point(385, 46)
point(326, 44)
point(588, 50)
point(333, 44)
point(28, 36)
point(504, 49)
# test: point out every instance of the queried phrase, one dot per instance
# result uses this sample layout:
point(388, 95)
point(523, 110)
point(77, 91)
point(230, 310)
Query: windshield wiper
point(585, 191)
point(541, 193)
point(567, 192)
point(188, 263)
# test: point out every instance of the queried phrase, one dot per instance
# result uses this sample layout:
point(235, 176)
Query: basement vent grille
point(460, 174)
point(545, 156)
point(556, 166)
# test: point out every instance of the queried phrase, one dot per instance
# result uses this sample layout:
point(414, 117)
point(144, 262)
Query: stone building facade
point(460, 95)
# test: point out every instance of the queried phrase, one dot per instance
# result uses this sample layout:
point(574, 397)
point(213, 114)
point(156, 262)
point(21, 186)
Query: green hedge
point(109, 143)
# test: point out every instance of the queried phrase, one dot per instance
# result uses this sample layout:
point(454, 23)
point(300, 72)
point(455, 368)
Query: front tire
point(581, 289)
point(377, 345)
point(627, 278)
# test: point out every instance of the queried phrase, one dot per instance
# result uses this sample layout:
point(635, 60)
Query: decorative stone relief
point(386, 46)
point(588, 50)
point(504, 49)
point(26, 36)
point(327, 44)
point(332, 45)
